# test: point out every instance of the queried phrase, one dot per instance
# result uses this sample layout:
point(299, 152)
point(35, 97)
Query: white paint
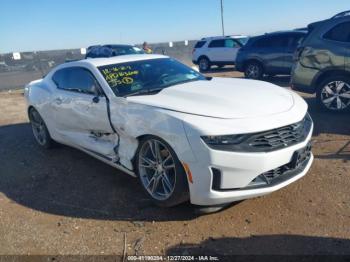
point(180, 115)
point(16, 56)
point(195, 68)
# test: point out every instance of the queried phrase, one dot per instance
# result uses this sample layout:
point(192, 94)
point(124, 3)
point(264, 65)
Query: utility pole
point(222, 19)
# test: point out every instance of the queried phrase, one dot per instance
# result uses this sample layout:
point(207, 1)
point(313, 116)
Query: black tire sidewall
point(181, 191)
point(324, 83)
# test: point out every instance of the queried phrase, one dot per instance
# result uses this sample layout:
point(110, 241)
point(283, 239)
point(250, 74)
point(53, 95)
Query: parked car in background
point(4, 67)
point(219, 51)
point(269, 54)
point(183, 135)
point(323, 63)
point(96, 51)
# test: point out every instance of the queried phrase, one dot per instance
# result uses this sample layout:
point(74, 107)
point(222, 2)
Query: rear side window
point(272, 41)
point(217, 43)
point(75, 79)
point(231, 43)
point(243, 40)
point(340, 33)
point(199, 44)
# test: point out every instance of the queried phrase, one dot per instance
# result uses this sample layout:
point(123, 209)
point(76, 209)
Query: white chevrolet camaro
point(183, 135)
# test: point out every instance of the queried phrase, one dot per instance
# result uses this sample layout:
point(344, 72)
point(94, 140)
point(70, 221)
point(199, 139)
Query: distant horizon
point(150, 43)
point(40, 25)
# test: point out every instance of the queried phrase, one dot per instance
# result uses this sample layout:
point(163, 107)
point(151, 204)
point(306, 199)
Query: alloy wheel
point(203, 64)
point(253, 71)
point(336, 95)
point(157, 169)
point(38, 127)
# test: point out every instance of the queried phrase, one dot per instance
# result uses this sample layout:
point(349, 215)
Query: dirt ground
point(63, 201)
point(17, 79)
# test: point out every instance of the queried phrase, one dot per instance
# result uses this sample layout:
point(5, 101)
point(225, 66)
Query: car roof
point(335, 19)
point(115, 59)
point(110, 45)
point(298, 31)
point(222, 37)
point(279, 33)
point(342, 14)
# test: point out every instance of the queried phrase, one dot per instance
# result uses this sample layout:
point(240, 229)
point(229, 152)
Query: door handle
point(58, 101)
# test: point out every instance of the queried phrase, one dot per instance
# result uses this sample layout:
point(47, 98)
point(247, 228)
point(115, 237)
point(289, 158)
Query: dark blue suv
point(269, 54)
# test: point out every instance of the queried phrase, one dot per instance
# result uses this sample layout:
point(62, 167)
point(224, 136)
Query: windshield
point(147, 76)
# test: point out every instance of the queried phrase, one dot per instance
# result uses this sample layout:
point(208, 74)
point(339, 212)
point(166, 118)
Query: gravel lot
point(63, 201)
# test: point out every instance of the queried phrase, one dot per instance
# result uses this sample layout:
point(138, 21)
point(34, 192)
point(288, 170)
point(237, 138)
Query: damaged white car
point(185, 136)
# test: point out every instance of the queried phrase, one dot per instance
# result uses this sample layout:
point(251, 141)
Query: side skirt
point(107, 160)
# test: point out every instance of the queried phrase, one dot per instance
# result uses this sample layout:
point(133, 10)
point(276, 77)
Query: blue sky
point(27, 25)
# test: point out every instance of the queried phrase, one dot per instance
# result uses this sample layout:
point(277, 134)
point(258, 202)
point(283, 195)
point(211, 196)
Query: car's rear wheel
point(161, 174)
point(253, 70)
point(333, 94)
point(40, 132)
point(204, 64)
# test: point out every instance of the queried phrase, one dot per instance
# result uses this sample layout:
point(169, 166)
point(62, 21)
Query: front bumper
point(239, 65)
point(238, 170)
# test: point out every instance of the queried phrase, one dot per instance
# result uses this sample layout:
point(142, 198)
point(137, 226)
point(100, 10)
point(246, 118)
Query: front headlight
point(226, 140)
point(265, 141)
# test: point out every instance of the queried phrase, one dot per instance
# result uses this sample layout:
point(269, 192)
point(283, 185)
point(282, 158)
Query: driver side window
point(76, 79)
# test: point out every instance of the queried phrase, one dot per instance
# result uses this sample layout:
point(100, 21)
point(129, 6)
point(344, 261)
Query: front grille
point(295, 166)
point(281, 137)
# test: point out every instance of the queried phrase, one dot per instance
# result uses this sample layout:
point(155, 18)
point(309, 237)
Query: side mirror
point(96, 99)
point(96, 92)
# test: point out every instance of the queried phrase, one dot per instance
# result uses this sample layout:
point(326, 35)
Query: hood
point(222, 98)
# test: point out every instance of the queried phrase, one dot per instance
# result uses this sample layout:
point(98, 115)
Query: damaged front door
point(80, 111)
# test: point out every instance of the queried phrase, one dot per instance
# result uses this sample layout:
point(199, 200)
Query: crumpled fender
point(132, 120)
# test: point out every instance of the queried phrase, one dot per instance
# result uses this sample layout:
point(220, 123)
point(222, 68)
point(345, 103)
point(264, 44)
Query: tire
point(40, 131)
point(333, 94)
point(203, 64)
point(253, 70)
point(166, 187)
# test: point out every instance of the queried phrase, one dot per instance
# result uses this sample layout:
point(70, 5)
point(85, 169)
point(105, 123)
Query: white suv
point(219, 51)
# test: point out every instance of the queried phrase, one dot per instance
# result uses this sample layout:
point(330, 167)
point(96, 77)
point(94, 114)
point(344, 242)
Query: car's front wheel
point(333, 94)
point(40, 132)
point(253, 70)
point(160, 172)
